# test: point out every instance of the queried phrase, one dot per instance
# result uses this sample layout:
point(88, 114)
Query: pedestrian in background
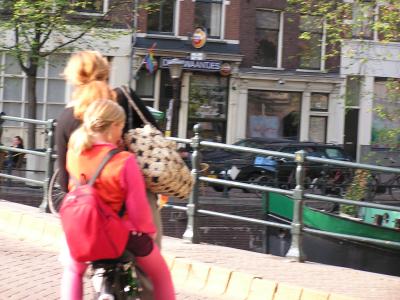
point(14, 157)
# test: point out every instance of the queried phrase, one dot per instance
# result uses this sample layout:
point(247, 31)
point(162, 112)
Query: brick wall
point(248, 26)
point(290, 51)
point(220, 231)
point(142, 21)
point(186, 17)
point(232, 20)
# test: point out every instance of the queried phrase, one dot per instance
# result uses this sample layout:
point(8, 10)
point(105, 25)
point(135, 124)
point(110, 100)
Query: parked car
point(267, 170)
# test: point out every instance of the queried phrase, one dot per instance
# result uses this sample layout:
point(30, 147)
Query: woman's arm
point(133, 120)
point(137, 206)
point(66, 124)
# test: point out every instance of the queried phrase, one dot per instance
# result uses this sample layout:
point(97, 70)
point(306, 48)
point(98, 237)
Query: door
point(351, 131)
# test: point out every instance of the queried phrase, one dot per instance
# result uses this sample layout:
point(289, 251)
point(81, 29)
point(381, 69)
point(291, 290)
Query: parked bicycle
point(385, 183)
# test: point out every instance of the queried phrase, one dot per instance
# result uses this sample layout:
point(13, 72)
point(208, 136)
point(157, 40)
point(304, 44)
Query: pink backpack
point(92, 229)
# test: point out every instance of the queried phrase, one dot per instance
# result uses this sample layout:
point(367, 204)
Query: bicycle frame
point(116, 279)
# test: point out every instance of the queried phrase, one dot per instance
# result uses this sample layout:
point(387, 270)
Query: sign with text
point(195, 65)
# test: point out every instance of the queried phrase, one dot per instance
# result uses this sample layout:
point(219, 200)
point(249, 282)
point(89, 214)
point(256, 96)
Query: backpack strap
point(103, 163)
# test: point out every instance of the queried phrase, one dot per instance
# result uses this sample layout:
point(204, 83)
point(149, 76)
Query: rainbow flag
point(149, 60)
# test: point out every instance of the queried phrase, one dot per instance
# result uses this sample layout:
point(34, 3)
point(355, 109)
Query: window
point(311, 42)
point(319, 107)
point(267, 37)
point(208, 15)
point(363, 19)
point(91, 6)
point(161, 17)
point(319, 102)
point(385, 114)
point(273, 114)
point(208, 96)
point(145, 84)
point(50, 88)
point(353, 90)
point(317, 131)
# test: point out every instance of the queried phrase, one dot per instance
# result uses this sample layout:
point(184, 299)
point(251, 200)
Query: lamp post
point(175, 70)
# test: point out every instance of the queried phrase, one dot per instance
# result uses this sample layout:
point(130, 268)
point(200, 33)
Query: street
point(30, 271)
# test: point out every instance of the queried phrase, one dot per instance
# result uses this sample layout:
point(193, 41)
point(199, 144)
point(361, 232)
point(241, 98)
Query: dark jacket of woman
point(67, 123)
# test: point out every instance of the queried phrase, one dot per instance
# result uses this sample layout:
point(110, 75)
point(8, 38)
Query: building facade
point(52, 91)
point(204, 35)
point(371, 68)
point(246, 73)
point(285, 87)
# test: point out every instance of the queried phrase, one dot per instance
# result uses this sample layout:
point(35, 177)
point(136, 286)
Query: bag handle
point(133, 104)
point(103, 163)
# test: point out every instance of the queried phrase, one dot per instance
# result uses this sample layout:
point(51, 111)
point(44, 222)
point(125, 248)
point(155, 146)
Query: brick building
point(205, 90)
point(285, 88)
point(270, 91)
point(252, 77)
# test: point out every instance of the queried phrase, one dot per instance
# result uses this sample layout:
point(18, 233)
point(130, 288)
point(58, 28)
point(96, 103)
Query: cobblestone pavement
point(29, 271)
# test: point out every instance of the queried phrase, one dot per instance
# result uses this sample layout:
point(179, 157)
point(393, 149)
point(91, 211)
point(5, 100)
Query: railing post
point(296, 248)
point(50, 126)
point(191, 232)
point(1, 125)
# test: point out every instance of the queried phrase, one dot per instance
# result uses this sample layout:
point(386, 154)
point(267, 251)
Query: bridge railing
point(298, 194)
point(48, 155)
point(192, 209)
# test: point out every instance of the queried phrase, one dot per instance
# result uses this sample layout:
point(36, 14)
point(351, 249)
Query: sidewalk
point(225, 272)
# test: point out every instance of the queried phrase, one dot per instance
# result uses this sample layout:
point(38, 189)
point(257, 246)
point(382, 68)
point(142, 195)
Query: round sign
point(199, 38)
point(226, 69)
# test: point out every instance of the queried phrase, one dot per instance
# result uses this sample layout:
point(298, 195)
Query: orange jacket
point(121, 180)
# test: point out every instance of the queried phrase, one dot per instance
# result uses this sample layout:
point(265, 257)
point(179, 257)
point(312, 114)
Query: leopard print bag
point(163, 168)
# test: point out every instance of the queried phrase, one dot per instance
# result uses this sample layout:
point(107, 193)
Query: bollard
point(50, 127)
point(191, 232)
point(296, 247)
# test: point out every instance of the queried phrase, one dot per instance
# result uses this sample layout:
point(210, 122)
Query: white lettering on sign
point(200, 65)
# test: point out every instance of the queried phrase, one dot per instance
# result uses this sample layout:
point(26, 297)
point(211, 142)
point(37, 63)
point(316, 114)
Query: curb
point(27, 223)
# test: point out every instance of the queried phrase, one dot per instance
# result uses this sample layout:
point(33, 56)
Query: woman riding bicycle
point(120, 182)
point(88, 72)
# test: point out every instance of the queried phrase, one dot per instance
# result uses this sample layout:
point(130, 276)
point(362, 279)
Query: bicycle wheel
point(262, 179)
point(394, 188)
point(55, 195)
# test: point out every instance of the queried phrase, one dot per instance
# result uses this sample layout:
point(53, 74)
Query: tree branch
point(19, 52)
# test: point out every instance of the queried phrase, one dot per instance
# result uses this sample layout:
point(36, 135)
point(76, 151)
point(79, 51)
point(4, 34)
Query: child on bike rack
point(120, 182)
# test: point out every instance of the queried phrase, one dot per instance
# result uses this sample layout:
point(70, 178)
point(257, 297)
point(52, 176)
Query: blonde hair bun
point(98, 118)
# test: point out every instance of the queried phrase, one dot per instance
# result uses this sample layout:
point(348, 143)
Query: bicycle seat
point(124, 258)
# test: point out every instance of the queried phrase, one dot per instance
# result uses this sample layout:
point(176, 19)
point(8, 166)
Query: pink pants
point(153, 265)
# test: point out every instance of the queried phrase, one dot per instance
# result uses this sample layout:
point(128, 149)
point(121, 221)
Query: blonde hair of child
point(88, 71)
point(98, 118)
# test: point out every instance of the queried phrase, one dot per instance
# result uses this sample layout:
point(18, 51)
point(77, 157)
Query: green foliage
point(359, 20)
point(31, 30)
point(40, 28)
point(347, 20)
point(357, 190)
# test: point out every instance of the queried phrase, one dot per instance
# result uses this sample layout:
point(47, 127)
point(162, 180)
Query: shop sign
point(199, 38)
point(226, 69)
point(195, 65)
point(197, 56)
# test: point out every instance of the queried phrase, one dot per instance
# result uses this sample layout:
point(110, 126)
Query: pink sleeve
point(137, 205)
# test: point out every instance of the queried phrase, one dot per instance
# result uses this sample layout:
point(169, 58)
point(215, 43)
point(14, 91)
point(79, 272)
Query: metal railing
point(48, 155)
point(298, 194)
point(192, 209)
